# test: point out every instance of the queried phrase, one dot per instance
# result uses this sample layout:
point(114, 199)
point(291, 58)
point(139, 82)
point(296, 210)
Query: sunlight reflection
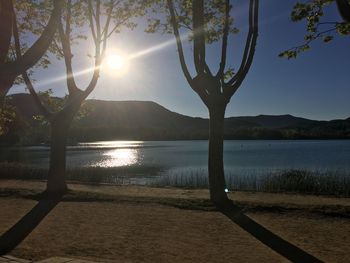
point(119, 157)
point(111, 144)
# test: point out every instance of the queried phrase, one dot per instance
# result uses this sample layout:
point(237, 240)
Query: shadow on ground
point(276, 243)
point(17, 233)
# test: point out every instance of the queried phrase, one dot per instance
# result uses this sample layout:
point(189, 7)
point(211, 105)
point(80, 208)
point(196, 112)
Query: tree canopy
point(24, 11)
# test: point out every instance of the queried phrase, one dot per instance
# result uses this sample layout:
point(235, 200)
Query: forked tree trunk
point(56, 182)
point(217, 182)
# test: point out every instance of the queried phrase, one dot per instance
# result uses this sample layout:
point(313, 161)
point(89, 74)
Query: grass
point(335, 183)
point(112, 175)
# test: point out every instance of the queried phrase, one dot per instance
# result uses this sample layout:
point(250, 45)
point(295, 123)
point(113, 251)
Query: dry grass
point(130, 230)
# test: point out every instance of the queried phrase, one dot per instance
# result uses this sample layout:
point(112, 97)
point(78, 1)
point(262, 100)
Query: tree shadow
point(18, 232)
point(276, 243)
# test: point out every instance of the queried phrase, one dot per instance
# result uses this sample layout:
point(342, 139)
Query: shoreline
point(251, 201)
point(47, 144)
point(303, 181)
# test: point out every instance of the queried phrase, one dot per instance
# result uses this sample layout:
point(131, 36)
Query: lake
point(186, 157)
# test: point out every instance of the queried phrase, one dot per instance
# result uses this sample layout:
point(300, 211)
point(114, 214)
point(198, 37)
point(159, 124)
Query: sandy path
point(134, 233)
point(146, 232)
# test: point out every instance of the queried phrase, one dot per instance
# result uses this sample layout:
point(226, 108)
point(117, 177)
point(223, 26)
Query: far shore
point(164, 224)
point(75, 143)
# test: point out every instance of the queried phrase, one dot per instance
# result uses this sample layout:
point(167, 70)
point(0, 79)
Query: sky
point(312, 86)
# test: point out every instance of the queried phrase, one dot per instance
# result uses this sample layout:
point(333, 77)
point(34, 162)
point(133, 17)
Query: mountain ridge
point(148, 120)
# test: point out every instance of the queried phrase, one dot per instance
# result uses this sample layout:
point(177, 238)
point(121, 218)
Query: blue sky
point(312, 86)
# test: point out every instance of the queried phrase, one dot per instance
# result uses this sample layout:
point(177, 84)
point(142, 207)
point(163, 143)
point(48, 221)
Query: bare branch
point(179, 43)
point(91, 21)
point(68, 18)
point(198, 35)
point(97, 20)
point(106, 27)
point(236, 81)
point(221, 71)
point(98, 55)
point(67, 52)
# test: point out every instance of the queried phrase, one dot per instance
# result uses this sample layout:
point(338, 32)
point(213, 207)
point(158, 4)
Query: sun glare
point(116, 64)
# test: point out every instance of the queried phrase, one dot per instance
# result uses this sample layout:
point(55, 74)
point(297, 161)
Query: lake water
point(184, 157)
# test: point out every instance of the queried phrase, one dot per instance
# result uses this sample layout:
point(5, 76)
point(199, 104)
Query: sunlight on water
point(111, 144)
point(118, 157)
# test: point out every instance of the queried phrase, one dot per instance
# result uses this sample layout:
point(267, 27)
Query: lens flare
point(115, 62)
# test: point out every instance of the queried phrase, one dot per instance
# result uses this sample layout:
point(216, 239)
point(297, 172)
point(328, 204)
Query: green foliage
point(313, 11)
point(32, 17)
point(7, 116)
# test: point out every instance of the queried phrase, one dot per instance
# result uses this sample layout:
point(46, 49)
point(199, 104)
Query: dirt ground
point(153, 232)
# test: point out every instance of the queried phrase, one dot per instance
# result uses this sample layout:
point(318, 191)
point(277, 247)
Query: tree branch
point(98, 54)
point(91, 21)
point(106, 27)
point(67, 52)
point(221, 71)
point(26, 79)
point(236, 81)
point(97, 20)
point(298, 49)
point(179, 43)
point(38, 49)
point(116, 25)
point(198, 35)
point(344, 9)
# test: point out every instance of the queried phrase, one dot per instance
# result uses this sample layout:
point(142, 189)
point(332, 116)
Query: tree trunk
point(6, 18)
point(56, 182)
point(217, 182)
point(344, 9)
point(6, 82)
point(60, 124)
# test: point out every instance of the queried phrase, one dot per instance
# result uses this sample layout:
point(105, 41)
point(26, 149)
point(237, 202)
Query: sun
point(116, 64)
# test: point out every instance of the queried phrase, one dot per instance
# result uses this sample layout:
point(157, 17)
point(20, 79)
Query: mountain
point(276, 121)
point(146, 120)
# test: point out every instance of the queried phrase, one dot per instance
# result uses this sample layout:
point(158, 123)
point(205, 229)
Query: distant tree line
point(36, 131)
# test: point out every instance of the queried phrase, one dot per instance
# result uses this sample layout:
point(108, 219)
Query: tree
point(313, 11)
point(215, 90)
point(7, 116)
point(10, 69)
point(100, 15)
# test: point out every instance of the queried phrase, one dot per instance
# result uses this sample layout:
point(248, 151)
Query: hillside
point(146, 120)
